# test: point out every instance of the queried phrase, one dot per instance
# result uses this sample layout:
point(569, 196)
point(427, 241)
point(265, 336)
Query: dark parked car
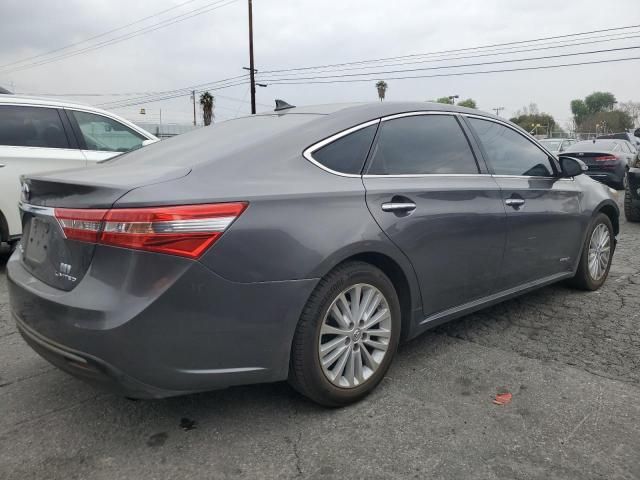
point(608, 160)
point(300, 244)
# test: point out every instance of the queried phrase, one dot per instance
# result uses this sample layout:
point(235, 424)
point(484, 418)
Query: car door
point(432, 198)
point(33, 139)
point(102, 137)
point(544, 225)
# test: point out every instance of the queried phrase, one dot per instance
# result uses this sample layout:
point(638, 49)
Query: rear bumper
point(149, 325)
point(89, 368)
point(634, 184)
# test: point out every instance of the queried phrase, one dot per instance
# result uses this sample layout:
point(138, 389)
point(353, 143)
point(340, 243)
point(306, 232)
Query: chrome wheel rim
point(354, 336)
point(599, 252)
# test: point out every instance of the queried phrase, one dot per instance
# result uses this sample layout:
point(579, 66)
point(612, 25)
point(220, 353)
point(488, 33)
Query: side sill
point(478, 304)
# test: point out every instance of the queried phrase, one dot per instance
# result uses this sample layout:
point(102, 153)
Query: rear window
point(218, 141)
point(620, 136)
point(591, 146)
point(31, 127)
point(551, 144)
point(347, 154)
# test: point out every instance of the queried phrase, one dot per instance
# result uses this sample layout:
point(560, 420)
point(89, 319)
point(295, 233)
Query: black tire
point(631, 211)
point(305, 371)
point(583, 279)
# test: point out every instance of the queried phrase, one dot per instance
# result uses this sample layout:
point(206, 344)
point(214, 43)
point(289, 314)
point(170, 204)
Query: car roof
point(50, 102)
point(44, 101)
point(377, 109)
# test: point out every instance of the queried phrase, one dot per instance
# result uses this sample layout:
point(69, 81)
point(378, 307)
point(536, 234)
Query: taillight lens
point(83, 225)
point(186, 230)
point(606, 158)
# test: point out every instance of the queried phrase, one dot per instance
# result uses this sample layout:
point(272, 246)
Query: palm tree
point(382, 89)
point(207, 101)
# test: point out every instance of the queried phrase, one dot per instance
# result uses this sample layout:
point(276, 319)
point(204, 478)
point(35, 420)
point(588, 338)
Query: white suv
point(38, 134)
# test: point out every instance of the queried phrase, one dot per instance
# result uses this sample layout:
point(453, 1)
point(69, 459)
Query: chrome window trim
point(422, 175)
point(308, 152)
point(418, 113)
point(36, 209)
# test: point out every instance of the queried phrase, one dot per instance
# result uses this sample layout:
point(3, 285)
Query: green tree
point(536, 122)
point(580, 110)
point(600, 102)
point(615, 121)
point(445, 100)
point(207, 101)
point(382, 86)
point(469, 103)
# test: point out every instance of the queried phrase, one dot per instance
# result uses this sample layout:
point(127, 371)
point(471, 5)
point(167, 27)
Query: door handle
point(398, 207)
point(514, 202)
point(2, 165)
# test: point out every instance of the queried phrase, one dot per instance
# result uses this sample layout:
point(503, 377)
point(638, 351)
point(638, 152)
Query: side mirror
point(572, 167)
point(148, 142)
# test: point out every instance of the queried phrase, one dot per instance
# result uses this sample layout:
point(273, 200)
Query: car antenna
point(282, 105)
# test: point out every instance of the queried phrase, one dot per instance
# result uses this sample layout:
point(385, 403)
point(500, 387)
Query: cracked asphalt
point(571, 360)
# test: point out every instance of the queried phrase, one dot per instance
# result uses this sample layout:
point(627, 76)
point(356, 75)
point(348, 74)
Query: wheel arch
point(403, 278)
point(611, 210)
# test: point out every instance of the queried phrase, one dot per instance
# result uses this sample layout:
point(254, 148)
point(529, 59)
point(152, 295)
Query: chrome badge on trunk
point(64, 271)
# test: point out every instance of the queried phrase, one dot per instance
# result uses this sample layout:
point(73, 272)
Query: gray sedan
point(301, 244)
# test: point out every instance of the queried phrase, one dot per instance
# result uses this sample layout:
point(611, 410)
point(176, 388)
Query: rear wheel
point(631, 211)
point(597, 254)
point(347, 335)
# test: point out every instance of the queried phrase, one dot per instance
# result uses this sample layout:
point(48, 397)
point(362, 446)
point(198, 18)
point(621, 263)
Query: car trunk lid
point(47, 253)
point(596, 161)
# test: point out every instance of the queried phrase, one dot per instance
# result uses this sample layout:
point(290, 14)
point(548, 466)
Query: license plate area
point(37, 241)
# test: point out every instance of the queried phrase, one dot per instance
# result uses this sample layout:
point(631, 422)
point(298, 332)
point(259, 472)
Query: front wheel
point(347, 335)
point(597, 254)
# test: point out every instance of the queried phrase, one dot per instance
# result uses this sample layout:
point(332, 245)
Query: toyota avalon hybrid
point(300, 244)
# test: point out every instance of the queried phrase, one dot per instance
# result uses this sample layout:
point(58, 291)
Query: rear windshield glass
point(217, 141)
point(551, 144)
point(621, 136)
point(591, 146)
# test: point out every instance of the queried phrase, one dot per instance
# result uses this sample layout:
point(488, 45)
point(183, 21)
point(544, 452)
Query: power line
point(66, 47)
point(198, 87)
point(458, 74)
point(384, 73)
point(151, 28)
point(168, 97)
point(489, 53)
point(451, 51)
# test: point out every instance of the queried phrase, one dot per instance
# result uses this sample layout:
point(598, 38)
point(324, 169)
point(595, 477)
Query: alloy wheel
point(599, 252)
point(354, 336)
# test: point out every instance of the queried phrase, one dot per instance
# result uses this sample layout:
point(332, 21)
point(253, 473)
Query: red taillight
point(187, 230)
point(83, 225)
point(605, 158)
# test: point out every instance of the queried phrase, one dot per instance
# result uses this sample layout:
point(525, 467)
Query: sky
point(288, 34)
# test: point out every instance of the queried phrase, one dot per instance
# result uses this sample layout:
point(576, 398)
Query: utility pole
point(193, 97)
point(252, 71)
point(497, 110)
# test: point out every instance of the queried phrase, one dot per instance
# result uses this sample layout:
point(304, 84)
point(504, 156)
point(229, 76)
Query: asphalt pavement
point(570, 359)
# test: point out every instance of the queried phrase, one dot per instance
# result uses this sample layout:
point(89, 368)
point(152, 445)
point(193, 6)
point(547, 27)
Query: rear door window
point(347, 154)
point(422, 144)
point(24, 126)
point(510, 153)
point(105, 134)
